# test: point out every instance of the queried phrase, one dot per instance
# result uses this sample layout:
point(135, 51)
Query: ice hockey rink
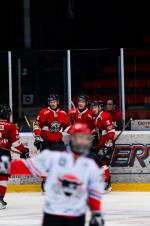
point(120, 209)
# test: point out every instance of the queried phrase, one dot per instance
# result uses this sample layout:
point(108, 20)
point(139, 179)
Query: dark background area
point(94, 31)
point(61, 24)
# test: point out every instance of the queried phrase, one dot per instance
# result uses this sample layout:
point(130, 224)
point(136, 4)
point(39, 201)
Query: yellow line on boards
point(115, 186)
point(131, 187)
point(24, 188)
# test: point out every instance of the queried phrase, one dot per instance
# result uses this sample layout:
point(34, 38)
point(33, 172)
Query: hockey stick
point(28, 123)
point(74, 108)
point(11, 150)
point(73, 105)
point(101, 153)
point(30, 127)
point(126, 125)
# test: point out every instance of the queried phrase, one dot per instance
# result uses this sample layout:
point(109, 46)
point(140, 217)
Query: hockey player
point(9, 137)
point(105, 130)
point(73, 181)
point(50, 123)
point(48, 127)
point(81, 113)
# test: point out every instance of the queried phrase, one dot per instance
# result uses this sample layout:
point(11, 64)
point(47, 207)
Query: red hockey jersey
point(9, 136)
point(50, 124)
point(104, 126)
point(81, 117)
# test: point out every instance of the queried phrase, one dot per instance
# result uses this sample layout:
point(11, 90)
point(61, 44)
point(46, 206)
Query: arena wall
point(129, 163)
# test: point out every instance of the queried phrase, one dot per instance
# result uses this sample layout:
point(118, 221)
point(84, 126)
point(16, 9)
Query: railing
point(95, 72)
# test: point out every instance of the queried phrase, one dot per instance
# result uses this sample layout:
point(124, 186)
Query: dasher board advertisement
point(140, 124)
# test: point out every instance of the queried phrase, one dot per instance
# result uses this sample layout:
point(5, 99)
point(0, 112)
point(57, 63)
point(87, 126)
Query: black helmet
point(53, 97)
point(97, 103)
point(5, 112)
point(84, 98)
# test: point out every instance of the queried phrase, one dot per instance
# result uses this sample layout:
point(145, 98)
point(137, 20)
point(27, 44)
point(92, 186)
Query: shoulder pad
point(44, 111)
point(105, 114)
point(12, 123)
point(72, 110)
point(62, 111)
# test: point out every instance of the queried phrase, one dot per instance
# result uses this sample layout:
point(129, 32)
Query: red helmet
point(80, 128)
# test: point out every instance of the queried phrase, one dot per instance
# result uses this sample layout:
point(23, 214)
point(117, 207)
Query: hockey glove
point(97, 220)
point(95, 140)
point(109, 145)
point(25, 154)
point(38, 142)
point(4, 166)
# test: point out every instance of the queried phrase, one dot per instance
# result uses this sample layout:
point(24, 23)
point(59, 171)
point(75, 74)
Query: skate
point(3, 204)
point(42, 186)
point(108, 188)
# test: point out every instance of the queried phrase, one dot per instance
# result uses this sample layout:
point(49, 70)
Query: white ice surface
point(127, 208)
point(120, 208)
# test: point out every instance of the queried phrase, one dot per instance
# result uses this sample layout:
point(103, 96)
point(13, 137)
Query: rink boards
point(129, 163)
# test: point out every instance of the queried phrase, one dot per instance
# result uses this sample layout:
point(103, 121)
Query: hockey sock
point(3, 185)
point(107, 176)
point(3, 189)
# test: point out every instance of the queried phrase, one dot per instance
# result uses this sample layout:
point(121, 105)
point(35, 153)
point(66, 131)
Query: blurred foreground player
point(73, 182)
point(105, 132)
point(81, 113)
point(9, 137)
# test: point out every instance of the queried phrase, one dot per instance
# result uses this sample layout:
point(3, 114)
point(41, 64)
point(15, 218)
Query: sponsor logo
point(126, 155)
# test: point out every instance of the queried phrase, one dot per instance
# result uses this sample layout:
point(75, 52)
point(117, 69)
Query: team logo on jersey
point(55, 126)
point(70, 184)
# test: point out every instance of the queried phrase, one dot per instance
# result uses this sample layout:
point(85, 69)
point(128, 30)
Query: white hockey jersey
point(69, 184)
